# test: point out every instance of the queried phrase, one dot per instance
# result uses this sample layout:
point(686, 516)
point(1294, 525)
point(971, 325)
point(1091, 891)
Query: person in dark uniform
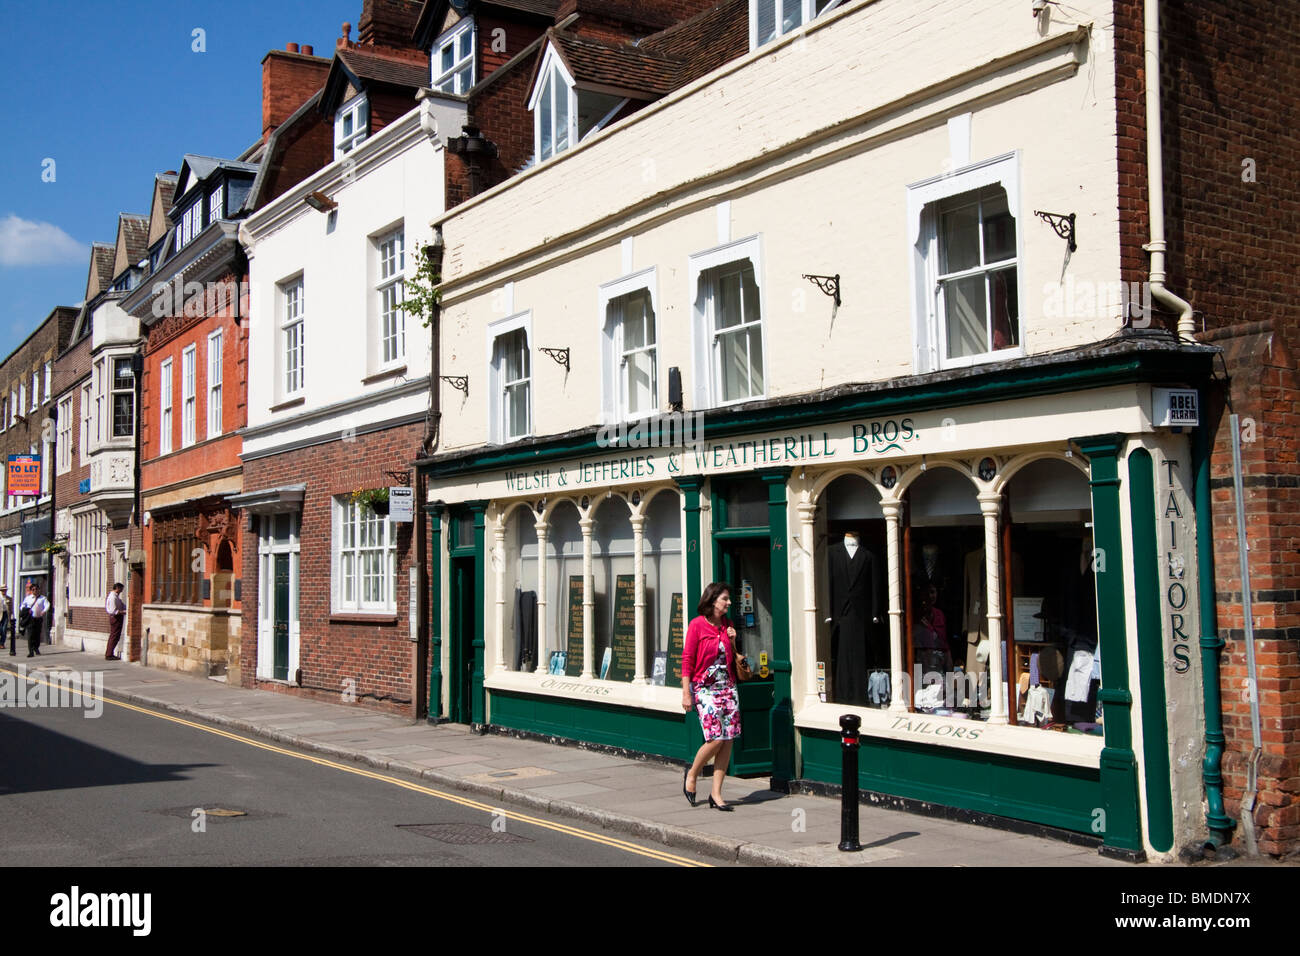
point(32, 616)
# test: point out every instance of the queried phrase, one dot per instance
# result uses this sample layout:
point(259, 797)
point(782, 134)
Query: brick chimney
point(289, 78)
point(388, 23)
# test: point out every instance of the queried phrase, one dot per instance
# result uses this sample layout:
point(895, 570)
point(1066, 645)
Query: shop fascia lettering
point(1175, 584)
point(848, 441)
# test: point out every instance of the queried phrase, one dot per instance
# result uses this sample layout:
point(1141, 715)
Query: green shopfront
point(996, 572)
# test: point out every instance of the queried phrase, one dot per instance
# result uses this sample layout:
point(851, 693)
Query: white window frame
point(267, 548)
point(551, 74)
point(111, 392)
point(613, 394)
point(707, 388)
point(65, 435)
point(22, 399)
point(87, 413)
point(807, 10)
point(292, 337)
point(451, 39)
point(345, 513)
point(49, 380)
point(359, 109)
point(216, 203)
point(496, 402)
point(36, 391)
point(390, 323)
point(166, 381)
point(189, 396)
point(923, 199)
point(87, 543)
point(215, 353)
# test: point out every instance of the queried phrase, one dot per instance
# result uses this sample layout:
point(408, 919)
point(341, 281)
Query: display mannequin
point(855, 606)
point(974, 612)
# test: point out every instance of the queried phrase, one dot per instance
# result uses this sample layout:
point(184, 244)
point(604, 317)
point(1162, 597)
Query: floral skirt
point(719, 710)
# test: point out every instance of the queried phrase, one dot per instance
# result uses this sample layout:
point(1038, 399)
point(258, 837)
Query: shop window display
point(1052, 628)
point(520, 637)
point(564, 591)
point(853, 596)
point(614, 587)
point(667, 609)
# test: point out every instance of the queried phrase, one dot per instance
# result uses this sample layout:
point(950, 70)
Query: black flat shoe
point(726, 807)
point(690, 797)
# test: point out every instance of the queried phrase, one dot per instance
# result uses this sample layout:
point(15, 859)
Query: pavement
point(642, 798)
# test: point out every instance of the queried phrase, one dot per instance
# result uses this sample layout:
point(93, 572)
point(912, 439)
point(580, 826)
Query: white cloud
point(27, 243)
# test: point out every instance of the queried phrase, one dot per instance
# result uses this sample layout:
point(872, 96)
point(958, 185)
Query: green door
point(280, 628)
point(746, 565)
point(463, 619)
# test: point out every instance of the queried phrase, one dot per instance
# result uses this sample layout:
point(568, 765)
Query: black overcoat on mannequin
point(525, 629)
point(855, 605)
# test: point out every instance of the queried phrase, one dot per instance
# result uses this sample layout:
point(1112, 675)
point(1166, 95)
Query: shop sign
point(1175, 567)
point(25, 475)
point(917, 724)
point(401, 503)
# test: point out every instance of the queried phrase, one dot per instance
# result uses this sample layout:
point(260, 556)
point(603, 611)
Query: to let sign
point(25, 475)
point(401, 504)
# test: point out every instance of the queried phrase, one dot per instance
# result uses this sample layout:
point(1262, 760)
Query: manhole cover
point(462, 834)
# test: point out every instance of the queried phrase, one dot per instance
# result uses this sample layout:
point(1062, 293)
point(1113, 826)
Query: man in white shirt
point(37, 607)
point(116, 609)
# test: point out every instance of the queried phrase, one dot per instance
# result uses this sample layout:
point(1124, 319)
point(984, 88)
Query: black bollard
point(849, 725)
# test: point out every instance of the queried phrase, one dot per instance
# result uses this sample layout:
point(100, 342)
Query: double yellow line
point(649, 852)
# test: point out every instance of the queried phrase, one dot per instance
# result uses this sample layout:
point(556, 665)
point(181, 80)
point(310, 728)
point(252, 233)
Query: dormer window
point(216, 204)
point(564, 114)
point(351, 125)
point(769, 19)
point(190, 225)
point(453, 59)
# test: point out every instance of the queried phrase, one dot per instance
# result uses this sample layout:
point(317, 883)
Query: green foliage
point(422, 292)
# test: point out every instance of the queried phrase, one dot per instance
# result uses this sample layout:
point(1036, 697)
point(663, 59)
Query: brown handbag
point(743, 671)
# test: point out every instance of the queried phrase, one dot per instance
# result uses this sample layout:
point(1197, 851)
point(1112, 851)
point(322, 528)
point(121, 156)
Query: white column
point(638, 569)
point(543, 658)
point(588, 601)
point(900, 690)
point(807, 515)
point(499, 578)
point(990, 506)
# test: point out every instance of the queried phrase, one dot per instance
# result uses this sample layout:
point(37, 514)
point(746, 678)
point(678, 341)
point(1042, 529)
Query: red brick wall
point(288, 80)
point(508, 44)
point(376, 655)
point(1227, 73)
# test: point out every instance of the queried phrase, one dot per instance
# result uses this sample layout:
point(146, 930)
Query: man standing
point(116, 609)
point(37, 607)
point(7, 620)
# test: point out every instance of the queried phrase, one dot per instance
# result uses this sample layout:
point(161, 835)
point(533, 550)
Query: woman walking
point(709, 670)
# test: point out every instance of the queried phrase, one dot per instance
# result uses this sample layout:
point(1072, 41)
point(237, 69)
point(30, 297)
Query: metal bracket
point(458, 382)
point(1061, 223)
point(830, 285)
point(402, 478)
point(561, 356)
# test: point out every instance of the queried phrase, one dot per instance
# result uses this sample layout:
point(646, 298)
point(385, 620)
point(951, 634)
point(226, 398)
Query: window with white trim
point(452, 61)
point(216, 203)
point(564, 114)
point(165, 416)
point(769, 19)
point(291, 336)
point(390, 292)
point(631, 380)
point(351, 125)
point(729, 363)
point(22, 399)
point(966, 266)
point(36, 391)
point(123, 397)
point(365, 559)
point(189, 397)
point(87, 412)
point(49, 380)
point(65, 434)
point(511, 377)
point(190, 224)
point(215, 342)
point(86, 545)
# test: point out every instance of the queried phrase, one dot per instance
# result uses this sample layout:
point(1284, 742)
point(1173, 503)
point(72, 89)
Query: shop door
point(280, 617)
point(746, 565)
point(463, 621)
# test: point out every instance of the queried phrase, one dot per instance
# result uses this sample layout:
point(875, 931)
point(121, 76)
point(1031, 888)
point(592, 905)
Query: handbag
point(743, 671)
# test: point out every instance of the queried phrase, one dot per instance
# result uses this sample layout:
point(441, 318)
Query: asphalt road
point(122, 789)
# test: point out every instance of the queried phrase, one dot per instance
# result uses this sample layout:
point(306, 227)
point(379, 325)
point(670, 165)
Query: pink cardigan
point(701, 648)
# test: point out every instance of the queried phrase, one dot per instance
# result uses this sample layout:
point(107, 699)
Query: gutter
point(420, 696)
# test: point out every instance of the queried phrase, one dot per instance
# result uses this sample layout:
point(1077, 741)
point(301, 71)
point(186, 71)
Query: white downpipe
point(1156, 178)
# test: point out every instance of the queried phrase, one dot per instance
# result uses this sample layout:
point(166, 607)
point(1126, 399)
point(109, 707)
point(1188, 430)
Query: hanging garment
point(1038, 705)
point(878, 688)
point(525, 630)
point(1076, 683)
point(855, 604)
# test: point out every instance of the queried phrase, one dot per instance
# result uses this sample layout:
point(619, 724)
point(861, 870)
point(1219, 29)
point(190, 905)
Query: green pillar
point(782, 716)
point(693, 552)
point(1122, 826)
point(435, 611)
point(1151, 658)
point(478, 701)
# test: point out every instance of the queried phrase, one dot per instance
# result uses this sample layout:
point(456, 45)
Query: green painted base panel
point(1050, 794)
point(631, 728)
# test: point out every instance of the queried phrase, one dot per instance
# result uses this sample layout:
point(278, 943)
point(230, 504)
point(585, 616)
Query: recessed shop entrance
point(465, 703)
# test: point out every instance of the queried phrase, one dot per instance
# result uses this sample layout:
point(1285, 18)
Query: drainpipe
point(1252, 684)
point(431, 433)
point(1156, 178)
point(1217, 820)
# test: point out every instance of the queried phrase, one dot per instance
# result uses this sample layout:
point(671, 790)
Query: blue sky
point(114, 92)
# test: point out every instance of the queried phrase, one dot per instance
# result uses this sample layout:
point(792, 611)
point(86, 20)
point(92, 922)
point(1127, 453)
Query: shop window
point(520, 637)
point(852, 593)
point(966, 268)
point(1051, 630)
point(668, 609)
point(945, 629)
point(614, 587)
point(178, 559)
point(564, 591)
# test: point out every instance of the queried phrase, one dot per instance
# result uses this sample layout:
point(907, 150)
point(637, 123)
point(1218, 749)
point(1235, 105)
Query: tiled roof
point(367, 66)
point(617, 65)
point(135, 230)
point(102, 255)
point(166, 186)
point(705, 41)
point(545, 8)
